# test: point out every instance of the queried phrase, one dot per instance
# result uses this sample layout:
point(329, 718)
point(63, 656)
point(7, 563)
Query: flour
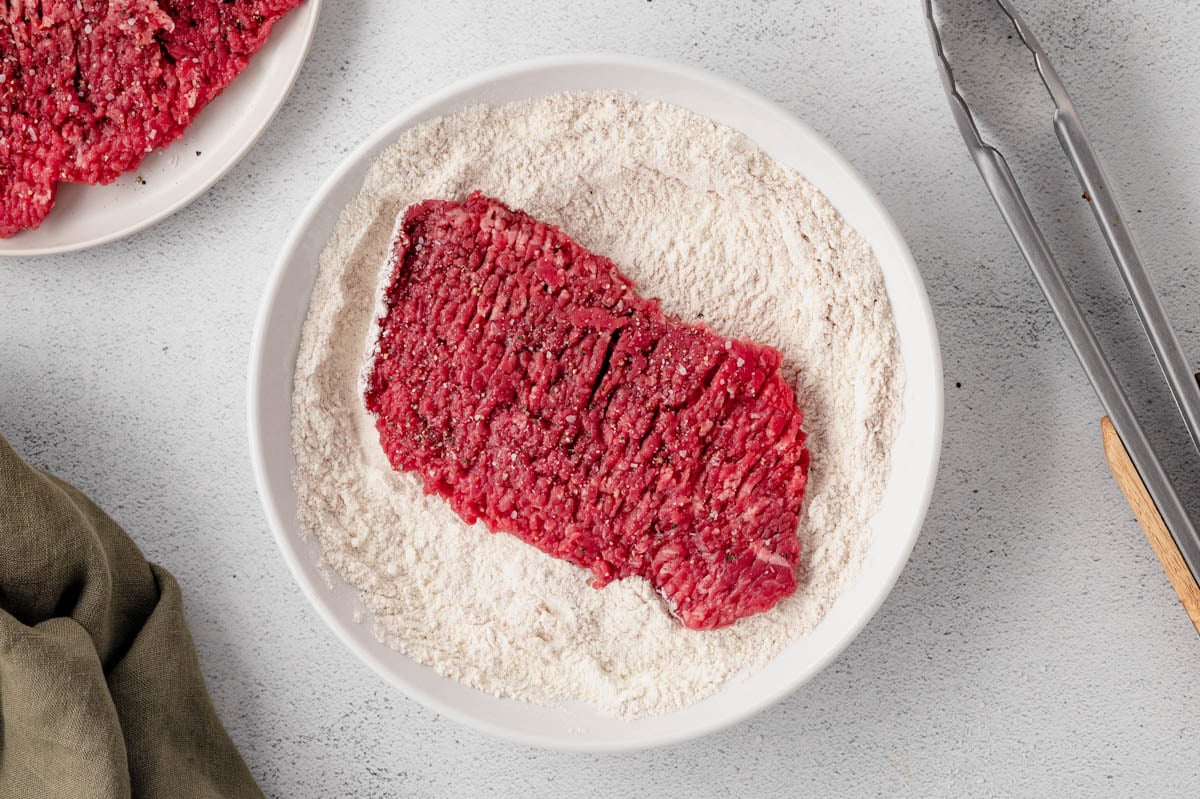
point(694, 214)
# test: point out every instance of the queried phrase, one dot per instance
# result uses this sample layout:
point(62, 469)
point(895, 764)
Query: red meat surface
point(529, 385)
point(89, 87)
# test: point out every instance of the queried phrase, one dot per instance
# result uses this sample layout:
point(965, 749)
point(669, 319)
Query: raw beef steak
point(89, 87)
point(531, 387)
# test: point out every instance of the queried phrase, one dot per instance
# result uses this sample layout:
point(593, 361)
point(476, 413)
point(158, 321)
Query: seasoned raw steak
point(88, 87)
point(530, 386)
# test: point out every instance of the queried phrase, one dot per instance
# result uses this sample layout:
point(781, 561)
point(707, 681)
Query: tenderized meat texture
point(531, 387)
point(90, 87)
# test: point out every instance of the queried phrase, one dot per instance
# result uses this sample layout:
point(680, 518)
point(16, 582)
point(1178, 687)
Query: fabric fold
point(101, 693)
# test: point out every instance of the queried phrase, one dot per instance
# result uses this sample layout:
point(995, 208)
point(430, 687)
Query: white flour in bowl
point(694, 214)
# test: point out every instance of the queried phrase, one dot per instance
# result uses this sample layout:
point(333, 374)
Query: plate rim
point(290, 549)
point(313, 10)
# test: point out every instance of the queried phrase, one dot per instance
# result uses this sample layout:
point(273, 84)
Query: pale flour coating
point(696, 215)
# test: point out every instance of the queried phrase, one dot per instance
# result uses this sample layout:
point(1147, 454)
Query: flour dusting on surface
point(695, 215)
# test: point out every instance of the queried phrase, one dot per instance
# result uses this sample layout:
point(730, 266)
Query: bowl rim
point(287, 540)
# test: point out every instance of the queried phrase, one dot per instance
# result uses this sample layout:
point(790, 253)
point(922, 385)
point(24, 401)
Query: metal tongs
point(1132, 459)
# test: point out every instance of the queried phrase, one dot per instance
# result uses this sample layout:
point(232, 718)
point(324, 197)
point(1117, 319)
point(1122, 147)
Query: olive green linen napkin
point(101, 693)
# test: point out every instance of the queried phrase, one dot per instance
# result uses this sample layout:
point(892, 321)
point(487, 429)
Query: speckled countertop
point(1032, 645)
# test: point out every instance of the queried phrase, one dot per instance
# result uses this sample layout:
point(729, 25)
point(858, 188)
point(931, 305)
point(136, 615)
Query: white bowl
point(915, 455)
point(168, 179)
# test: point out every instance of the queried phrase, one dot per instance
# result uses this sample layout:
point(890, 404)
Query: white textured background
point(1032, 645)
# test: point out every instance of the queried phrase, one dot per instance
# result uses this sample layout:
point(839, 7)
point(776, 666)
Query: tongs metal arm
point(1117, 234)
point(1004, 189)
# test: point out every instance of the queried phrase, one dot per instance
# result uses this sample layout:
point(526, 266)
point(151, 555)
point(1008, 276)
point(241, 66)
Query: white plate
point(88, 216)
point(915, 457)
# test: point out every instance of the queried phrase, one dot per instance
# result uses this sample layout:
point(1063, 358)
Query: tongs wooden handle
point(1152, 522)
